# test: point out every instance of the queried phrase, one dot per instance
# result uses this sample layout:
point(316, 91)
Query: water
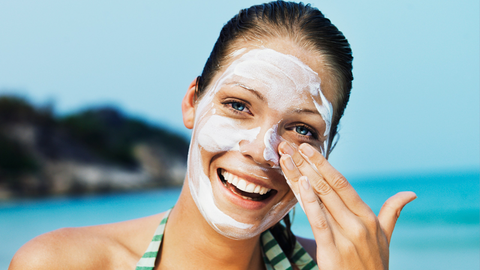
point(439, 230)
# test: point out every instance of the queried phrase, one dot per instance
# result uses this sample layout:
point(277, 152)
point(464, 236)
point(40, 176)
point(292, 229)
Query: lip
point(245, 203)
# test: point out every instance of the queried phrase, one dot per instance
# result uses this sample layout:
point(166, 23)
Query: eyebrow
point(255, 92)
point(307, 111)
point(260, 96)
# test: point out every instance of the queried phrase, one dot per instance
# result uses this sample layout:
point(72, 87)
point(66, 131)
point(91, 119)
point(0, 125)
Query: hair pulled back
point(307, 27)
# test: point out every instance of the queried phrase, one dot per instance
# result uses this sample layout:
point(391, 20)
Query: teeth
point(244, 185)
point(234, 180)
point(250, 188)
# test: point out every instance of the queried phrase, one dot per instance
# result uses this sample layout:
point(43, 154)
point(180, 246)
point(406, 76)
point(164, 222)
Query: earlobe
point(188, 105)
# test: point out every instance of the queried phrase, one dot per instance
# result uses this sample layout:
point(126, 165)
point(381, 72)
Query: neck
point(190, 242)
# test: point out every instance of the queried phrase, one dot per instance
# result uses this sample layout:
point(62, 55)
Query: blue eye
point(238, 106)
point(303, 131)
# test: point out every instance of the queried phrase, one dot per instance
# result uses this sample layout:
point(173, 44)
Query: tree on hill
point(112, 135)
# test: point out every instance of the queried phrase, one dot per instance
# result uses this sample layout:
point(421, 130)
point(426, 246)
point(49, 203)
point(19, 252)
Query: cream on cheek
point(214, 133)
point(221, 134)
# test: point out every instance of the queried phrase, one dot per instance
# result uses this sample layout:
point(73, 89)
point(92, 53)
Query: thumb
point(391, 209)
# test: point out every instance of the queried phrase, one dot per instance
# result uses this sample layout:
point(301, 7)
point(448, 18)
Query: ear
point(188, 105)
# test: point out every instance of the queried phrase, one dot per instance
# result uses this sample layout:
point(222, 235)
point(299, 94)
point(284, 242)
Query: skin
point(347, 233)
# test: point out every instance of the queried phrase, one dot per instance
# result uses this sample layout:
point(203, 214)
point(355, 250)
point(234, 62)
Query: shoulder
point(111, 246)
point(63, 248)
point(309, 245)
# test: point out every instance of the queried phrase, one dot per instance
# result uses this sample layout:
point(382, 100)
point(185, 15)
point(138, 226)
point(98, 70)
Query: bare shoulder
point(309, 245)
point(111, 246)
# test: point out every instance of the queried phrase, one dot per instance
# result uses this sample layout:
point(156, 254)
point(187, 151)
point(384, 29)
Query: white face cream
point(285, 83)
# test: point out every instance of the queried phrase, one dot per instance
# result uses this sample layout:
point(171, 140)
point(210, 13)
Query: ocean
point(439, 230)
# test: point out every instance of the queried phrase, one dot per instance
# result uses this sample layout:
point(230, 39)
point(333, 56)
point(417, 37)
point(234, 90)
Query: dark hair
point(307, 27)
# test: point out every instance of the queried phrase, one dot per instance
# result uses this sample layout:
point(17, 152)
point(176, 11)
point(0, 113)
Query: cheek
point(221, 134)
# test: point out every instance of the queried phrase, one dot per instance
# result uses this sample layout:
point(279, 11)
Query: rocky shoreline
point(96, 150)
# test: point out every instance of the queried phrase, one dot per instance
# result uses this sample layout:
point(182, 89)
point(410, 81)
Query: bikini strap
point(273, 255)
point(147, 262)
point(276, 259)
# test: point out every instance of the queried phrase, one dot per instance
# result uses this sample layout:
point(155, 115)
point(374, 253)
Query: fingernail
point(307, 150)
point(288, 149)
point(305, 182)
point(288, 161)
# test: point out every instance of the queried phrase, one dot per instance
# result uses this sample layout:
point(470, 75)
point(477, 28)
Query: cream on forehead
point(284, 77)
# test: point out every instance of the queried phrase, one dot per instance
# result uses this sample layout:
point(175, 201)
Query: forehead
point(278, 76)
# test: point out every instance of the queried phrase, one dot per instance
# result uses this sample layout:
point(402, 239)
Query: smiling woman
point(264, 115)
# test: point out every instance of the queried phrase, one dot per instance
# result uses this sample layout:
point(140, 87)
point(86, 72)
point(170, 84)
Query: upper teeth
point(244, 185)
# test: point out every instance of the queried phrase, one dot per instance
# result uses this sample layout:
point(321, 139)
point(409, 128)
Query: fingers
point(316, 214)
point(336, 180)
point(292, 175)
point(326, 179)
point(391, 209)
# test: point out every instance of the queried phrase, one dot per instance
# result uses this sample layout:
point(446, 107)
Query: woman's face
point(265, 96)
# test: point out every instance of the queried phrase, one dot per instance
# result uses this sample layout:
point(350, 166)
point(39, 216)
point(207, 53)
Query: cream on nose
point(271, 141)
point(264, 149)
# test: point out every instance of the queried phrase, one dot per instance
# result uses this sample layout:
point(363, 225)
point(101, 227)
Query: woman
point(264, 115)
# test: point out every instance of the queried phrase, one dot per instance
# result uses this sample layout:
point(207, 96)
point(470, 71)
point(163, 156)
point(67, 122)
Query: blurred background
point(91, 128)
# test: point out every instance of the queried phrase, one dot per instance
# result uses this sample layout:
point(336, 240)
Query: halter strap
point(273, 255)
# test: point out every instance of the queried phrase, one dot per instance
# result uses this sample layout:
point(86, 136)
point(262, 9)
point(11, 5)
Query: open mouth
point(243, 188)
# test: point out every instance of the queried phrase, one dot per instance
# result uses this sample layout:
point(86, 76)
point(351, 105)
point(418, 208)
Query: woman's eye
point(304, 131)
point(238, 106)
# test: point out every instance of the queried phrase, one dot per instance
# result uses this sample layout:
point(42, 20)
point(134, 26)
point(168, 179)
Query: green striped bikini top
point(273, 255)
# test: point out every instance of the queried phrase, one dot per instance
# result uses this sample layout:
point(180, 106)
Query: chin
point(256, 228)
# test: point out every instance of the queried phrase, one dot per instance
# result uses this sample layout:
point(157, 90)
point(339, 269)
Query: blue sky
point(415, 99)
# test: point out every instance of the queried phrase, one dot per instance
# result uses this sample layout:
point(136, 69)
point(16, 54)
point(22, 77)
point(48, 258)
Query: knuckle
point(322, 206)
point(310, 199)
point(320, 223)
point(390, 206)
point(321, 161)
point(322, 187)
point(371, 222)
point(360, 233)
point(349, 248)
point(299, 161)
point(340, 182)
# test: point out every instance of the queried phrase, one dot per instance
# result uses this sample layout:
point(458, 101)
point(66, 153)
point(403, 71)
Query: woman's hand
point(347, 232)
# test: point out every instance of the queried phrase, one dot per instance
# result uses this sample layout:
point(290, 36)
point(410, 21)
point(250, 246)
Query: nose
point(264, 149)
